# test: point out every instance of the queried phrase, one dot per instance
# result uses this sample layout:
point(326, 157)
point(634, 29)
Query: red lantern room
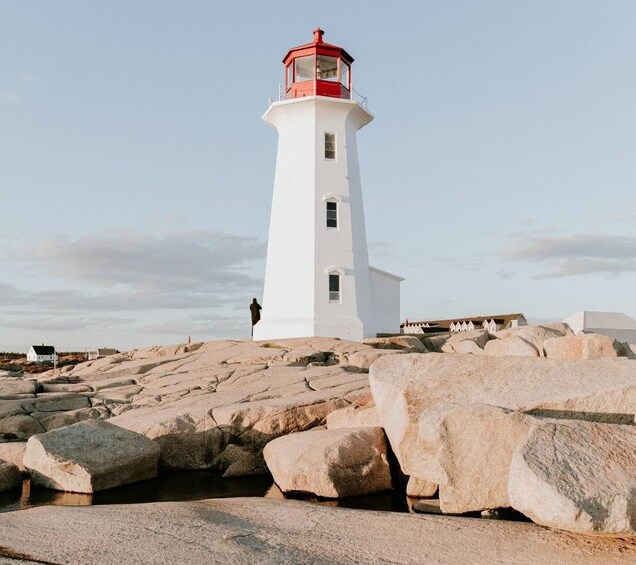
point(317, 68)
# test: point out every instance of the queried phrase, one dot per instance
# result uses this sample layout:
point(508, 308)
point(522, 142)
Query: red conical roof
point(319, 47)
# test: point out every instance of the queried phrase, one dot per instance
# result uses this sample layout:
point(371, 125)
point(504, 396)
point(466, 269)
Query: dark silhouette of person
point(255, 310)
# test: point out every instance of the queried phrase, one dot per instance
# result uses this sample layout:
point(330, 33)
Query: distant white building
point(613, 324)
point(42, 354)
point(489, 323)
point(101, 352)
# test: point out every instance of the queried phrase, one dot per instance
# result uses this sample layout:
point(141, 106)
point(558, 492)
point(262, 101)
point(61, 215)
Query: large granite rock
point(10, 476)
point(535, 335)
point(412, 392)
point(515, 346)
point(475, 446)
point(583, 346)
point(330, 463)
point(577, 476)
point(90, 456)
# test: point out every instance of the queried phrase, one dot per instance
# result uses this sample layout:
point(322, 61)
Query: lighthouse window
point(332, 214)
point(334, 287)
point(330, 145)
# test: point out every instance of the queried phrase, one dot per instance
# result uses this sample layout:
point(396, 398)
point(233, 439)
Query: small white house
point(613, 324)
point(42, 354)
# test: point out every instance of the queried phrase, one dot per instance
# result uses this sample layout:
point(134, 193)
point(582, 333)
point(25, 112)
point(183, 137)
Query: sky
point(136, 174)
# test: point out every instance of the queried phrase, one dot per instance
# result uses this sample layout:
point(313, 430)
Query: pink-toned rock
point(418, 488)
point(478, 337)
point(360, 414)
point(511, 346)
point(90, 456)
point(536, 335)
point(412, 392)
point(577, 476)
point(583, 346)
point(330, 463)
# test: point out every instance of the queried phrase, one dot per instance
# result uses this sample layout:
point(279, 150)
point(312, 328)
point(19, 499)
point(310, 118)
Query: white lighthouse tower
point(317, 279)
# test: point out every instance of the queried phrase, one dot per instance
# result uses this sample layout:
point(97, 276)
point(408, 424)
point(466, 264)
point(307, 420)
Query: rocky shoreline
point(534, 419)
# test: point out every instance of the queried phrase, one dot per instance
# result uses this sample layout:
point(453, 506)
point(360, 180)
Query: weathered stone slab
point(60, 401)
point(14, 385)
point(71, 417)
point(240, 531)
point(577, 476)
point(90, 456)
point(330, 463)
point(22, 425)
point(119, 394)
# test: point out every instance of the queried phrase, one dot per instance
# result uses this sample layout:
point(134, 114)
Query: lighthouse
point(318, 281)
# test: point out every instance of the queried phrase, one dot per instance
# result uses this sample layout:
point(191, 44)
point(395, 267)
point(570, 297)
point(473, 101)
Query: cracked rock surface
point(253, 530)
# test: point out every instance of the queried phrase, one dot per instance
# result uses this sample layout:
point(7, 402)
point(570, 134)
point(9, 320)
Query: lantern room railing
point(353, 94)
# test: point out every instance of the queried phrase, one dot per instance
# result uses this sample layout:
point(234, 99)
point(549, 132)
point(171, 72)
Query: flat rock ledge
point(251, 530)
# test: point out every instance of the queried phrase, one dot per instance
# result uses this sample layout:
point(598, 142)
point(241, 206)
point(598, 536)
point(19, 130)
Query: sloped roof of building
point(385, 273)
point(43, 349)
point(601, 320)
point(500, 319)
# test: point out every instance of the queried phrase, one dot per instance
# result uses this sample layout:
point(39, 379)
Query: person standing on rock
point(255, 309)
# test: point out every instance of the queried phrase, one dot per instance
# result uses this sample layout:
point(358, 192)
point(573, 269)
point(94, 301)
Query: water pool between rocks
point(183, 486)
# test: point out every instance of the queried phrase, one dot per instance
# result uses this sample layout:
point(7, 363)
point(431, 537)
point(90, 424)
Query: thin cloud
point(132, 279)
point(65, 323)
point(192, 260)
point(561, 256)
point(13, 93)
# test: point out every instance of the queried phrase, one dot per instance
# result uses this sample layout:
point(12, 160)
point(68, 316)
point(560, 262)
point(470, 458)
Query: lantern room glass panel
point(344, 73)
point(289, 75)
point(327, 68)
point(304, 68)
